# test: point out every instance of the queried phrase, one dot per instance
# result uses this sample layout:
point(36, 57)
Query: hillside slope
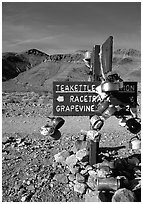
point(15, 63)
point(127, 63)
point(45, 69)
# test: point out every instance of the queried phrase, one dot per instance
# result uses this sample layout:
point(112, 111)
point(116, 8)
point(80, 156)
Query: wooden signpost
point(81, 98)
point(107, 54)
point(101, 63)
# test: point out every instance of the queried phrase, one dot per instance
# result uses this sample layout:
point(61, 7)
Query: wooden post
point(101, 63)
point(106, 57)
point(95, 62)
point(96, 72)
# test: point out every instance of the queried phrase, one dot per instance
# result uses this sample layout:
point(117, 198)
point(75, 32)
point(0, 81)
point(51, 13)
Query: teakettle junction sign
point(82, 98)
point(103, 95)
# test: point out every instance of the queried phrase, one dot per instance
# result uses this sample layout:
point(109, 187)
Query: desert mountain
point(15, 63)
point(34, 70)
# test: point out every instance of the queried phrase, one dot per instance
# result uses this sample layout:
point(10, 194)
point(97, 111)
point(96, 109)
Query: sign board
point(74, 98)
point(106, 56)
point(128, 94)
point(81, 98)
point(95, 63)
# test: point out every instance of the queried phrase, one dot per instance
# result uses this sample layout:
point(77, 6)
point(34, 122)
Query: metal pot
point(108, 184)
point(109, 112)
point(133, 125)
point(110, 86)
point(103, 106)
point(87, 55)
point(96, 122)
point(135, 143)
point(58, 122)
point(47, 130)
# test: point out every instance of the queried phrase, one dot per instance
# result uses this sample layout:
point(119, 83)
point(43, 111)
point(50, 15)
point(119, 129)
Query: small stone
point(54, 165)
point(18, 140)
point(82, 154)
point(66, 190)
point(61, 156)
point(102, 173)
point(28, 182)
point(83, 172)
point(80, 178)
point(35, 155)
point(135, 184)
point(80, 187)
point(82, 137)
point(4, 140)
point(74, 170)
point(71, 184)
point(92, 173)
point(23, 198)
point(123, 195)
point(82, 164)
point(31, 187)
point(21, 144)
point(133, 161)
point(92, 182)
point(92, 196)
point(79, 144)
point(61, 178)
point(24, 181)
point(88, 167)
point(71, 160)
point(71, 177)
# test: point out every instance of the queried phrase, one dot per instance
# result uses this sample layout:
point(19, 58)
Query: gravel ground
point(27, 156)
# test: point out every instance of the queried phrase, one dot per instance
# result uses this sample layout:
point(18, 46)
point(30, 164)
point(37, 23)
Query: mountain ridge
point(36, 70)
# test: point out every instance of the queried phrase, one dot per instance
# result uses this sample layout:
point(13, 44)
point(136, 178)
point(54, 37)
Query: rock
point(135, 184)
point(71, 184)
point(80, 187)
point(82, 154)
point(123, 195)
point(92, 173)
point(88, 167)
point(66, 190)
point(62, 178)
point(102, 173)
point(105, 196)
point(23, 198)
point(121, 164)
point(80, 178)
point(83, 164)
point(4, 140)
point(51, 185)
point(83, 172)
point(18, 140)
point(71, 160)
point(28, 182)
point(71, 177)
point(61, 156)
point(79, 144)
point(74, 170)
point(31, 187)
point(92, 196)
point(82, 137)
point(133, 161)
point(92, 182)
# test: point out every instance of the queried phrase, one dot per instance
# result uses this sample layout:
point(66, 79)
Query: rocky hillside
point(15, 63)
point(34, 70)
point(128, 64)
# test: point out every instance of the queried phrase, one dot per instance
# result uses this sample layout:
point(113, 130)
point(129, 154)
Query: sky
point(65, 27)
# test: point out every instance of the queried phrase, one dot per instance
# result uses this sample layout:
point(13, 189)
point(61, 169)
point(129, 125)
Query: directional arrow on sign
point(60, 98)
